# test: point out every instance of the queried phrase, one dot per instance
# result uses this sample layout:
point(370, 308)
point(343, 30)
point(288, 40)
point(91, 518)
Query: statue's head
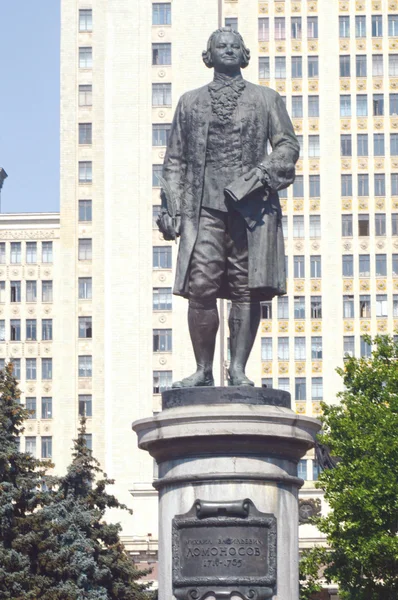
point(226, 51)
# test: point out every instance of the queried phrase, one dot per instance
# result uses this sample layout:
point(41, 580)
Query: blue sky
point(29, 104)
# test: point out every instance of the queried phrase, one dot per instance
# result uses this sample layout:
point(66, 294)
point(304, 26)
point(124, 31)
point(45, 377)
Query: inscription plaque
point(224, 549)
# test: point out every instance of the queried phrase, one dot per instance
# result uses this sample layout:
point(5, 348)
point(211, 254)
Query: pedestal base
point(241, 446)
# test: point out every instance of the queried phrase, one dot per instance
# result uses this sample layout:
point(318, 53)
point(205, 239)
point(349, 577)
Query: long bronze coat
point(263, 117)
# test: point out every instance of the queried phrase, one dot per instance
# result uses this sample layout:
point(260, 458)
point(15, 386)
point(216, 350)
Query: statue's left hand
point(169, 228)
point(256, 174)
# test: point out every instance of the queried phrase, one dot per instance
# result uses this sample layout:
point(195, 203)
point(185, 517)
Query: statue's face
point(226, 52)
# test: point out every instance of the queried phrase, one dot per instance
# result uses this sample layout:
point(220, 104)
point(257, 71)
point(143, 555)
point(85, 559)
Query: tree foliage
point(362, 490)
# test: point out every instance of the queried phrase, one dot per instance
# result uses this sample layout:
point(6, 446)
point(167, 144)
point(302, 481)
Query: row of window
point(280, 72)
point(365, 306)
point(364, 225)
point(161, 15)
point(379, 182)
point(299, 227)
point(362, 149)
point(47, 445)
point(30, 291)
point(300, 352)
point(360, 25)
point(31, 368)
point(364, 262)
point(30, 252)
point(297, 107)
point(296, 28)
point(361, 65)
point(30, 330)
point(307, 467)
point(362, 105)
point(85, 406)
point(299, 302)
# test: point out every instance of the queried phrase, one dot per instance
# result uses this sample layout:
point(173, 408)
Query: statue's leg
point(245, 313)
point(205, 274)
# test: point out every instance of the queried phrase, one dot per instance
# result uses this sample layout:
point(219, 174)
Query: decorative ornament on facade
point(363, 204)
point(348, 326)
point(344, 45)
point(343, 6)
point(299, 286)
point(283, 326)
point(315, 204)
point(315, 286)
point(317, 367)
point(161, 114)
point(316, 326)
point(377, 84)
point(263, 8)
point(365, 326)
point(300, 408)
point(361, 84)
point(266, 368)
point(381, 285)
point(315, 245)
point(300, 368)
point(163, 360)
point(393, 44)
point(298, 205)
point(381, 326)
point(161, 33)
point(299, 326)
point(279, 7)
point(364, 285)
point(347, 246)
point(162, 73)
point(266, 327)
point(345, 84)
point(162, 318)
point(296, 46)
point(162, 277)
point(348, 285)
point(296, 7)
point(283, 368)
point(361, 44)
point(308, 509)
point(362, 164)
point(312, 7)
point(161, 154)
point(380, 245)
point(313, 85)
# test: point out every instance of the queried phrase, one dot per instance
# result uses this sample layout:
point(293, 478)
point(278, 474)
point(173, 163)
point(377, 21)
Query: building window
point(31, 291)
point(394, 144)
point(297, 67)
point(348, 265)
point(363, 225)
point(2, 292)
point(15, 252)
point(162, 299)
point(315, 226)
point(30, 445)
point(263, 67)
point(346, 225)
point(313, 146)
point(395, 265)
point(313, 106)
point(364, 265)
point(316, 348)
point(363, 185)
point(156, 211)
point(31, 369)
point(300, 388)
point(316, 307)
point(284, 226)
point(161, 257)
point(364, 306)
point(348, 307)
point(47, 252)
point(161, 54)
point(299, 307)
point(161, 94)
point(16, 367)
point(345, 67)
point(392, 25)
point(85, 95)
point(380, 224)
point(346, 185)
point(162, 340)
point(2, 253)
point(85, 171)
point(302, 468)
point(31, 252)
point(377, 26)
point(161, 13)
point(15, 330)
point(360, 26)
point(377, 65)
point(298, 187)
point(231, 22)
point(2, 330)
point(345, 145)
point(299, 267)
point(85, 405)
point(280, 29)
point(395, 306)
point(381, 305)
point(15, 291)
point(46, 368)
point(46, 447)
point(394, 184)
point(360, 65)
point(284, 384)
point(349, 345)
point(366, 349)
point(344, 27)
point(280, 67)
point(263, 29)
point(394, 224)
point(345, 106)
point(156, 173)
point(283, 348)
point(85, 20)
point(299, 348)
point(316, 269)
point(313, 66)
point(296, 28)
point(47, 330)
point(160, 134)
point(266, 382)
point(85, 366)
point(47, 291)
point(162, 381)
point(85, 249)
point(378, 105)
point(266, 348)
point(362, 144)
point(31, 330)
point(85, 210)
point(381, 265)
point(298, 226)
point(266, 310)
point(362, 105)
point(312, 28)
point(85, 327)
point(86, 57)
point(317, 388)
point(393, 65)
point(283, 307)
point(46, 407)
point(85, 288)
point(85, 133)
point(380, 184)
point(30, 404)
point(297, 107)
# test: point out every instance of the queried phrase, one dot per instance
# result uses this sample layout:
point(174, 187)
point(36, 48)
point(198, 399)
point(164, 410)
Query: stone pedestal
point(227, 457)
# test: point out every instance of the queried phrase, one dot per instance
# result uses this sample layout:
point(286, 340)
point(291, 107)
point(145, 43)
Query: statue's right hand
point(166, 226)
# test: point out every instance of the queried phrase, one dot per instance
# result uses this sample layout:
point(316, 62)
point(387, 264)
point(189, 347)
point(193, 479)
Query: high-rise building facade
point(124, 64)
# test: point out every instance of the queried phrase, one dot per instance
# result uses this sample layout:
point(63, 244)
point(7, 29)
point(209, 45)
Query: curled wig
point(206, 54)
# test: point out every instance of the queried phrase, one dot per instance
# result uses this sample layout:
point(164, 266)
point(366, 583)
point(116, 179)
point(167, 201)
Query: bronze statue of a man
point(220, 194)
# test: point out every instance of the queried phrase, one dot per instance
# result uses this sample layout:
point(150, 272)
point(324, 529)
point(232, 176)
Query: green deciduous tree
point(362, 490)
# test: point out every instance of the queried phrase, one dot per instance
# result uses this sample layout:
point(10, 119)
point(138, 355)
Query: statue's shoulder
point(193, 96)
point(262, 91)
